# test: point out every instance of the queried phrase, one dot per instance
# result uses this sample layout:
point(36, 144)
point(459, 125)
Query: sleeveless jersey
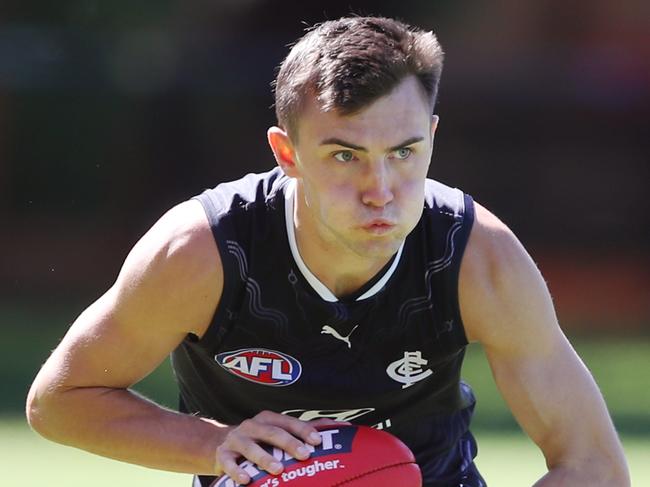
point(388, 356)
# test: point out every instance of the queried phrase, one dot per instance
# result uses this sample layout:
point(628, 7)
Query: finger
point(260, 457)
point(279, 437)
point(322, 423)
point(229, 466)
point(298, 428)
point(304, 430)
point(328, 422)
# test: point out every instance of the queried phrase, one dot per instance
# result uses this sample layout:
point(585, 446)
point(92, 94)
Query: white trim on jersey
point(315, 283)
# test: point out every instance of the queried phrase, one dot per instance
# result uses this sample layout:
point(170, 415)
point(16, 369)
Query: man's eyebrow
point(350, 145)
point(409, 141)
point(341, 142)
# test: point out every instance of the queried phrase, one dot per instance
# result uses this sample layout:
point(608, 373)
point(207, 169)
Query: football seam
point(378, 469)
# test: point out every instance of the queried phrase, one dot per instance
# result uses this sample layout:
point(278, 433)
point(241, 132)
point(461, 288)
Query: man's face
point(361, 177)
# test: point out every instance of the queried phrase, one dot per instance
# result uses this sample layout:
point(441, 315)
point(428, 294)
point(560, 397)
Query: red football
point(348, 456)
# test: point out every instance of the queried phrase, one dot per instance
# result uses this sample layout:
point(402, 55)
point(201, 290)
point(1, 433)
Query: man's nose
point(377, 189)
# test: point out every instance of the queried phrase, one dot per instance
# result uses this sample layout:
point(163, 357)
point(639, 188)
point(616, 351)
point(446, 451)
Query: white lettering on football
point(249, 468)
point(326, 437)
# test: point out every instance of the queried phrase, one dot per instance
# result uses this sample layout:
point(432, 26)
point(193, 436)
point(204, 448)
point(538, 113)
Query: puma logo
point(328, 330)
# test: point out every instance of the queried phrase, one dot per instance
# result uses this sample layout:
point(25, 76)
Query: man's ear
point(283, 150)
point(434, 125)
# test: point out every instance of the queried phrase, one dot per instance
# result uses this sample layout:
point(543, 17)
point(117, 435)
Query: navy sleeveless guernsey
point(387, 356)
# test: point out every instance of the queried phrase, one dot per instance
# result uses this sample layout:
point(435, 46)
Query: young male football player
point(342, 285)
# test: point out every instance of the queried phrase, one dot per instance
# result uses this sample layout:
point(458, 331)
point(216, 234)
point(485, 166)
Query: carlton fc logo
point(266, 367)
point(409, 370)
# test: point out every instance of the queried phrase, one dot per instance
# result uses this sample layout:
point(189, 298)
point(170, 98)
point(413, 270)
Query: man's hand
point(290, 434)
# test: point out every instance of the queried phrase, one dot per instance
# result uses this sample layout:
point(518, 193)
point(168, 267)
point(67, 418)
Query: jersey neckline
point(320, 288)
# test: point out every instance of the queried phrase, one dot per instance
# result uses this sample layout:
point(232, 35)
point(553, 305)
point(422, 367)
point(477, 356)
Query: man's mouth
point(378, 226)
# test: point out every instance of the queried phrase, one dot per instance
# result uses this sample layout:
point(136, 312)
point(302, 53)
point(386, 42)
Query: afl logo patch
point(266, 367)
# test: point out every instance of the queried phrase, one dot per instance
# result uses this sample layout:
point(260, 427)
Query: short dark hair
point(349, 63)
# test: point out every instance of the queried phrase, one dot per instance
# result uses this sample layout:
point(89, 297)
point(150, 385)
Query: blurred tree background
point(112, 112)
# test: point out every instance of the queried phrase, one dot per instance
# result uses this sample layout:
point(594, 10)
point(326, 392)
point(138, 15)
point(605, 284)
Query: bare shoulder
point(168, 287)
point(502, 293)
point(174, 268)
point(180, 237)
point(491, 245)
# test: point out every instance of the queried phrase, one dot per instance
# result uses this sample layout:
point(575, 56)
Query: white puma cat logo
point(328, 330)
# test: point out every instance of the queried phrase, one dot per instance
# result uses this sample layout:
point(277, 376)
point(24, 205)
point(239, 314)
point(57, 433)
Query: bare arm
point(507, 308)
point(169, 286)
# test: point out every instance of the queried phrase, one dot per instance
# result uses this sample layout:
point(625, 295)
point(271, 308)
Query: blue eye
point(403, 153)
point(344, 156)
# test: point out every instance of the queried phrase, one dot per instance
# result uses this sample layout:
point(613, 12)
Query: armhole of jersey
point(220, 234)
point(468, 222)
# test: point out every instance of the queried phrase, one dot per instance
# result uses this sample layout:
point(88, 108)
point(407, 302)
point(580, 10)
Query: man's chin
point(378, 248)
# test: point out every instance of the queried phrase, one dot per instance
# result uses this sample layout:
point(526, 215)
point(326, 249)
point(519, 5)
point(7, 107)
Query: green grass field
point(506, 460)
point(506, 457)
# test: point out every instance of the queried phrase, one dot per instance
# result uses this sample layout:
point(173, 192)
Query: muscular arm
point(507, 308)
point(169, 286)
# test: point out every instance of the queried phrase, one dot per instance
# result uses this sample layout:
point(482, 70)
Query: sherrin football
point(348, 456)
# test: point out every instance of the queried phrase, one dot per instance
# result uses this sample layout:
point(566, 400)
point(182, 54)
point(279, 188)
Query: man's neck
point(337, 267)
point(343, 273)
